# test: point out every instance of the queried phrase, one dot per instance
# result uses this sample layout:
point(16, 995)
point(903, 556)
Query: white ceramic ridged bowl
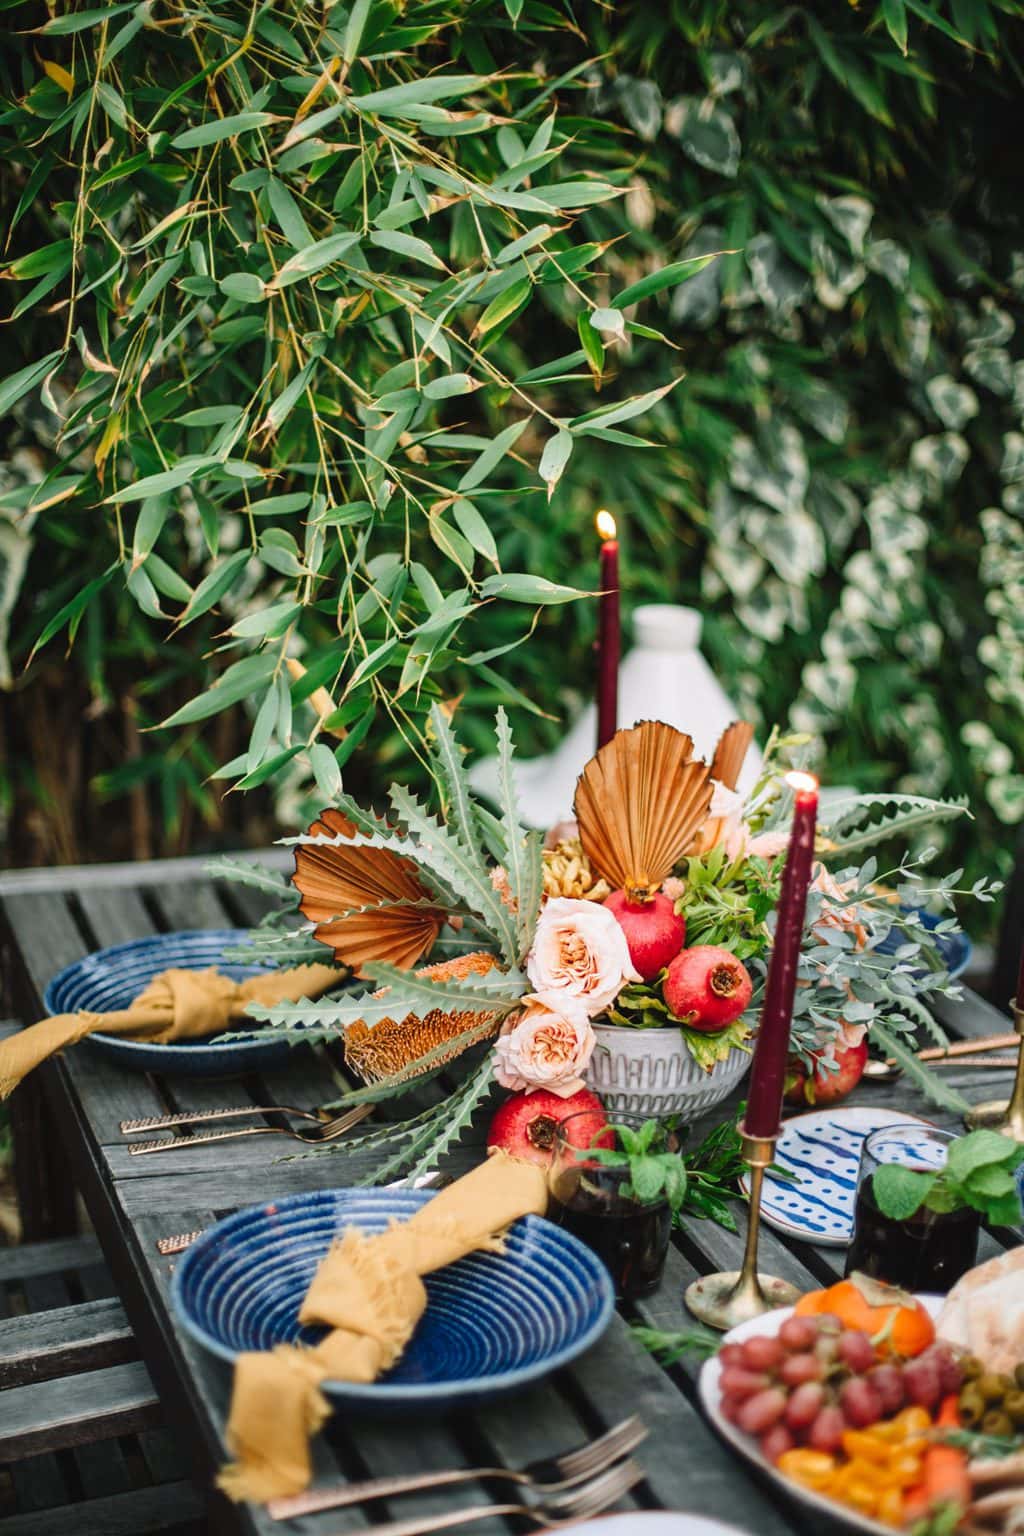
point(650, 1072)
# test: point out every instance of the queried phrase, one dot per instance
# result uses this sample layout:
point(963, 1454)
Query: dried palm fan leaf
point(732, 748)
point(389, 1047)
point(726, 766)
point(639, 803)
point(367, 903)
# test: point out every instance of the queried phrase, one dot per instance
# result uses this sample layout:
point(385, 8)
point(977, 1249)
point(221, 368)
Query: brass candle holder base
point(735, 1296)
point(1000, 1114)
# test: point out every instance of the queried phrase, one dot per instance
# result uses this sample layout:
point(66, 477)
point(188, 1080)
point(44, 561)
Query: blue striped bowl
point(112, 978)
point(494, 1322)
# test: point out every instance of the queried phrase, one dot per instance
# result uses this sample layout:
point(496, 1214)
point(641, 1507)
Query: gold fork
point(322, 1131)
point(550, 1513)
point(546, 1478)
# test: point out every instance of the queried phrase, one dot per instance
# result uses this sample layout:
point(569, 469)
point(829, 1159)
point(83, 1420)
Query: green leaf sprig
point(653, 1175)
point(979, 1174)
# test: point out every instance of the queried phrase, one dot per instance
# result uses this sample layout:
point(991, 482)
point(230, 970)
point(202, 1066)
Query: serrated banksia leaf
point(367, 903)
point(388, 1048)
point(733, 746)
point(639, 804)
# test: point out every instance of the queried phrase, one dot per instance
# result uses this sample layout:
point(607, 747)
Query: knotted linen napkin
point(368, 1291)
point(175, 1005)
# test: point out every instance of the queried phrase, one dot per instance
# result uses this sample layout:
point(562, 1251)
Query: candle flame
point(802, 783)
point(605, 524)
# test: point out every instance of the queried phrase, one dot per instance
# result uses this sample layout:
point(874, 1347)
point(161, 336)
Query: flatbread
point(984, 1312)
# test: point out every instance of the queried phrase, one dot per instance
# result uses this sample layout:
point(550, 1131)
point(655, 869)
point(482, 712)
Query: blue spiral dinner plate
point(111, 978)
point(494, 1322)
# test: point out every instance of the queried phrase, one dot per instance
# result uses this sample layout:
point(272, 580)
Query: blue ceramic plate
point(111, 978)
point(822, 1152)
point(493, 1322)
point(955, 949)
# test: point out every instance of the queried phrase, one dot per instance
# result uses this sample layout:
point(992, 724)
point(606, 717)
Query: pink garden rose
point(580, 949)
point(545, 1045)
point(725, 825)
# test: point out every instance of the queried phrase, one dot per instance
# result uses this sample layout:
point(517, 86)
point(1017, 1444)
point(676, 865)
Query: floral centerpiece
point(653, 912)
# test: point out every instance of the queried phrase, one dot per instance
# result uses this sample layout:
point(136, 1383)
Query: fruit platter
point(882, 1409)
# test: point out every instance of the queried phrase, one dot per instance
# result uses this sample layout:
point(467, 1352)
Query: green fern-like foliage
point(455, 853)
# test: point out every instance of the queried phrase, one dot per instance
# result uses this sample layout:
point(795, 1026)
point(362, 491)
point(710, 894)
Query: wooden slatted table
point(52, 920)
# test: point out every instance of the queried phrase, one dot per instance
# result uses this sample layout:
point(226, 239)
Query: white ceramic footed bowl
point(650, 1072)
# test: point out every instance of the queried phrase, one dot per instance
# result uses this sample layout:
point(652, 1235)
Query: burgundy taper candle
point(768, 1073)
point(608, 632)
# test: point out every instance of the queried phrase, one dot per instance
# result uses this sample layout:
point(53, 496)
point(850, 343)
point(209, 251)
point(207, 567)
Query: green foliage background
point(230, 442)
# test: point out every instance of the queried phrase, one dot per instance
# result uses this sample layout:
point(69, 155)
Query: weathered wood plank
point(62, 1341)
point(686, 1466)
point(186, 904)
point(227, 1189)
point(175, 1509)
point(48, 1258)
point(50, 1414)
point(47, 939)
point(211, 1383)
point(82, 877)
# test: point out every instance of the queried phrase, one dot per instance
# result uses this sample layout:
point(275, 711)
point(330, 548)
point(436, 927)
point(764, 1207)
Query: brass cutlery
point(606, 1489)
point(547, 1479)
point(322, 1131)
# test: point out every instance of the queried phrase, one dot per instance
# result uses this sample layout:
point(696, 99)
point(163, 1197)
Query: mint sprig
point(653, 1175)
point(979, 1174)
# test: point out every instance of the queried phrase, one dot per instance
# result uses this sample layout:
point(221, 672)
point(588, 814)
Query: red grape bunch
point(815, 1379)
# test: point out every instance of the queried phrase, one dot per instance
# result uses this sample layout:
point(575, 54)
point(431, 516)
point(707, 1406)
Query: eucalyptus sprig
point(979, 1175)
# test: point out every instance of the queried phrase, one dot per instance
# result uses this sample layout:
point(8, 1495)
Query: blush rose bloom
point(546, 1045)
point(725, 825)
point(580, 949)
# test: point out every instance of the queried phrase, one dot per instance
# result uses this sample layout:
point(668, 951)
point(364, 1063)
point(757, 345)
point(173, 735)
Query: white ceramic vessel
point(650, 1072)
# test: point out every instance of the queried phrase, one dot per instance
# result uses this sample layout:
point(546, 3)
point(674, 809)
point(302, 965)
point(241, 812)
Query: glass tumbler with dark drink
point(598, 1204)
point(927, 1251)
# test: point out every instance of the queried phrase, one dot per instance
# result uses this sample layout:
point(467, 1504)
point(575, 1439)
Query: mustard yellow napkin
point(176, 1005)
point(368, 1291)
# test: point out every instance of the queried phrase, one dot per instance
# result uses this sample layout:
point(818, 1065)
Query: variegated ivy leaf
point(836, 275)
point(791, 542)
point(893, 527)
point(851, 216)
point(953, 403)
point(779, 284)
point(889, 260)
point(706, 131)
point(940, 460)
point(726, 72)
point(991, 368)
point(831, 682)
point(825, 408)
point(775, 470)
point(696, 303)
point(1012, 465)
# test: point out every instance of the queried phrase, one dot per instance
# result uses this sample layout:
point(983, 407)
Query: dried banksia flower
point(388, 1048)
point(568, 872)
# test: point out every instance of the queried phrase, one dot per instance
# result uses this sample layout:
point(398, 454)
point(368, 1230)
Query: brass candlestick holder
point(998, 1114)
point(735, 1296)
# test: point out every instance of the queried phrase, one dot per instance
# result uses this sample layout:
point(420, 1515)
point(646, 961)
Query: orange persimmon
point(897, 1323)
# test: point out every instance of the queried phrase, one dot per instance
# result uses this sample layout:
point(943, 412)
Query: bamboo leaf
point(221, 128)
point(406, 245)
point(492, 455)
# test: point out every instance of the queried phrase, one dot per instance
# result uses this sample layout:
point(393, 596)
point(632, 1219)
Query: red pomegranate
point(655, 931)
point(526, 1124)
point(826, 1086)
point(708, 987)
